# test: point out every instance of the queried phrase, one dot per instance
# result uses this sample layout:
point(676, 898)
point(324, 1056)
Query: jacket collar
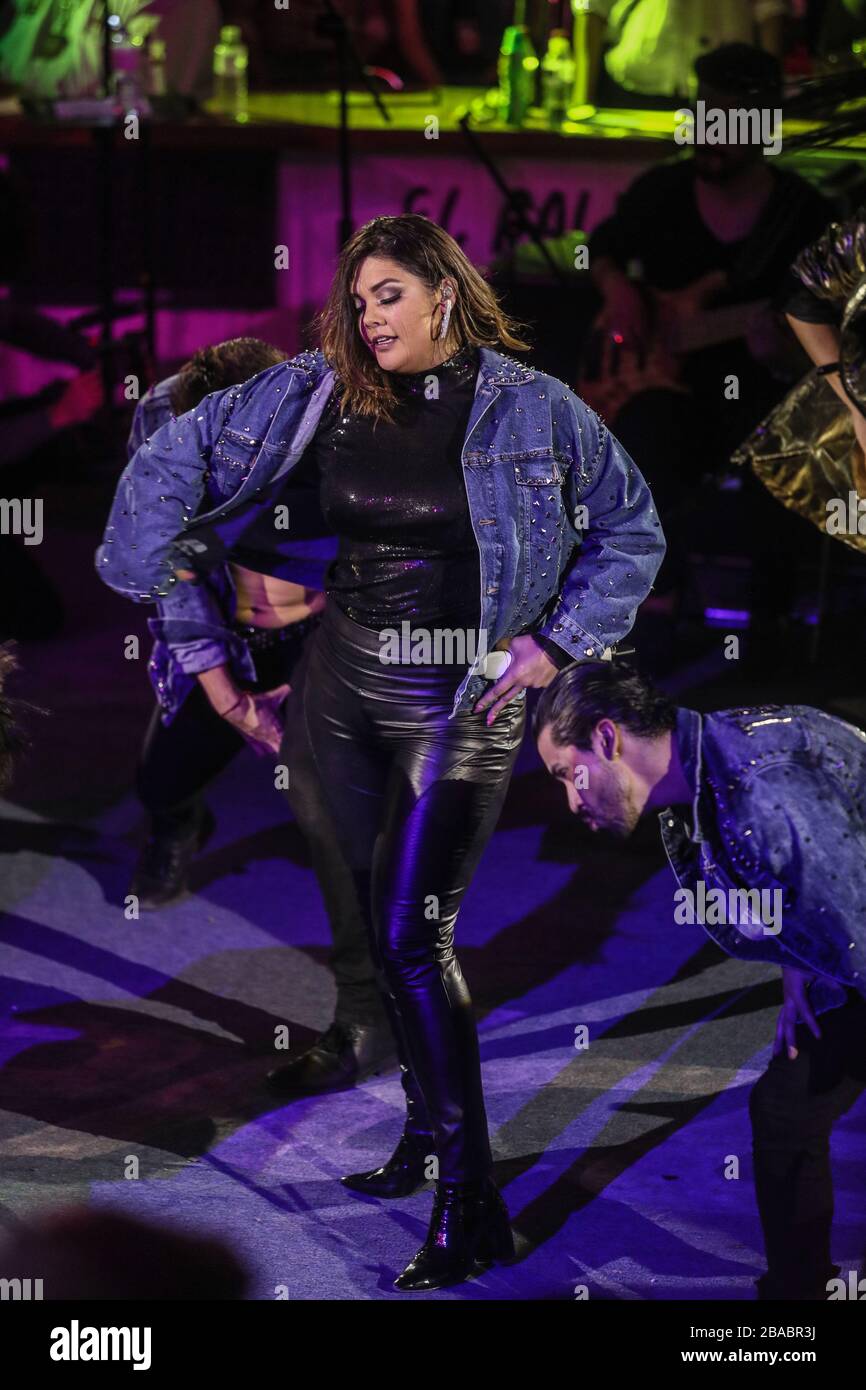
point(495, 368)
point(688, 737)
point(499, 370)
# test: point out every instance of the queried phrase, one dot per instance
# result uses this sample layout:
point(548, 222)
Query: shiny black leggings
point(415, 797)
point(180, 759)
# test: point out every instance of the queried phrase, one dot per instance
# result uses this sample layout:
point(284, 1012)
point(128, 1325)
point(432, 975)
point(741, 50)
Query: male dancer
point(763, 818)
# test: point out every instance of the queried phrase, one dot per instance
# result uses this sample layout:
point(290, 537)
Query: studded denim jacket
point(193, 628)
point(779, 803)
point(567, 532)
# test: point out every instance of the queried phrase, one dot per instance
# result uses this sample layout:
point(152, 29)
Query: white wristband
point(496, 664)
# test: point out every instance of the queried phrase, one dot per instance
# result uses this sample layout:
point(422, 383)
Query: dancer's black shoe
point(342, 1056)
point(403, 1174)
point(160, 876)
point(469, 1230)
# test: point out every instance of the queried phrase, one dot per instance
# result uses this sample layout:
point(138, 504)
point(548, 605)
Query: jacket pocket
point(539, 476)
point(234, 454)
point(536, 468)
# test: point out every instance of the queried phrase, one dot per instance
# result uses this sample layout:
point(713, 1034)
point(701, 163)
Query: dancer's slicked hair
point(589, 691)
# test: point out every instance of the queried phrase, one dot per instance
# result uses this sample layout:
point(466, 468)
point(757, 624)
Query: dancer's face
point(398, 316)
point(608, 794)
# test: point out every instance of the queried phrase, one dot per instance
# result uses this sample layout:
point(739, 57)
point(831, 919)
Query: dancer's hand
point(530, 666)
point(257, 717)
point(795, 1009)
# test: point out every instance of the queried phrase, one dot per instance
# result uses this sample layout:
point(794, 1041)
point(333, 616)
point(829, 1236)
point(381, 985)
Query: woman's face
point(398, 315)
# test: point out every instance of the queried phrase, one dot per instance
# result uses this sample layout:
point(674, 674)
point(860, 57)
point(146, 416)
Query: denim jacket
point(152, 410)
point(568, 536)
point(779, 803)
point(193, 629)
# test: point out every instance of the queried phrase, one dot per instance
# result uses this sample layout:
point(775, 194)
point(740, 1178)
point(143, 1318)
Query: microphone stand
point(104, 136)
point(511, 199)
point(333, 25)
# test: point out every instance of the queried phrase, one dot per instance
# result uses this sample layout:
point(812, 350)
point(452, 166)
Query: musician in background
point(720, 227)
point(641, 53)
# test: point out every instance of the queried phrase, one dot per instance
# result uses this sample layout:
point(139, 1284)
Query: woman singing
point(486, 519)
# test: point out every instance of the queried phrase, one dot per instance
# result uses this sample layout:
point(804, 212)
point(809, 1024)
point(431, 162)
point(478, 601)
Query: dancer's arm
point(193, 625)
point(163, 485)
point(255, 714)
point(826, 274)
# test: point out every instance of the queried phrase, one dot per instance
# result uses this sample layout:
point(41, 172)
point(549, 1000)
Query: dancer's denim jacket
point(779, 804)
point(568, 535)
point(193, 630)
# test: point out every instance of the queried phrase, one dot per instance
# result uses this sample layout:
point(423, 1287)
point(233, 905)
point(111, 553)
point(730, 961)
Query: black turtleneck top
point(393, 493)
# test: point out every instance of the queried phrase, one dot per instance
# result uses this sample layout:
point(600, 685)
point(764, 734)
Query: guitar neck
point(709, 327)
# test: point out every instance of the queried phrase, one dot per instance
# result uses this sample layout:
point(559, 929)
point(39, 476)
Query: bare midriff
point(263, 601)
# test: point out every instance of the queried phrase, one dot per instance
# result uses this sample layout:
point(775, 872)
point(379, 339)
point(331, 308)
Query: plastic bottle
point(127, 69)
point(557, 77)
point(230, 59)
point(518, 64)
point(156, 86)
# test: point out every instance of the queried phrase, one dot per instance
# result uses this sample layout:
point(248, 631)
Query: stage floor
point(149, 1039)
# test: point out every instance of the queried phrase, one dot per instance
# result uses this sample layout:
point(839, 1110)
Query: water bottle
point(126, 70)
point(557, 77)
point(518, 64)
point(230, 74)
point(156, 86)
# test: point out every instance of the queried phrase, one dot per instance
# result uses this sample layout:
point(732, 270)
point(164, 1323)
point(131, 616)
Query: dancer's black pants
point(416, 797)
point(793, 1107)
point(180, 759)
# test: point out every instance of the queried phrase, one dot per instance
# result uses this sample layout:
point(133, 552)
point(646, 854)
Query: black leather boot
point(469, 1230)
point(160, 876)
point(345, 1054)
point(403, 1174)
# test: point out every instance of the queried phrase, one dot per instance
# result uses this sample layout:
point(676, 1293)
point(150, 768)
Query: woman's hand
point(257, 717)
point(530, 666)
point(795, 1009)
